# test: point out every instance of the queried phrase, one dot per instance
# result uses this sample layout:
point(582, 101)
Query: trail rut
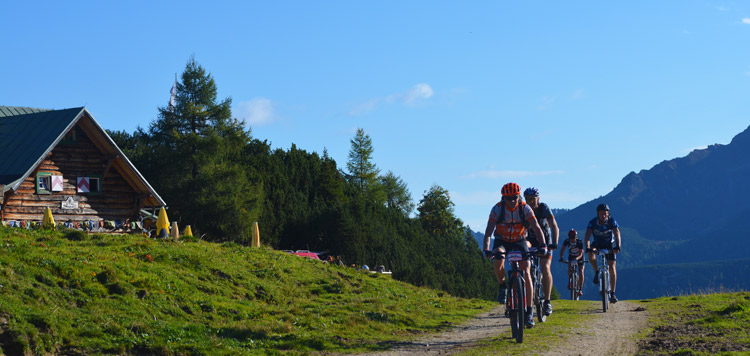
point(609, 333)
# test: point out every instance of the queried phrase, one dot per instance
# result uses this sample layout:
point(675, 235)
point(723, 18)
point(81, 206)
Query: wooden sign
point(69, 204)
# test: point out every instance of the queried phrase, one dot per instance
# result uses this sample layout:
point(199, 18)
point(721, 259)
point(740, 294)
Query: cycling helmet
point(572, 233)
point(602, 207)
point(511, 189)
point(531, 192)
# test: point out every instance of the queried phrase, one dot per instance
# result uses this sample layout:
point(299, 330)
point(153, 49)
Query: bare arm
point(487, 233)
point(586, 239)
point(616, 231)
point(555, 230)
point(537, 231)
point(562, 252)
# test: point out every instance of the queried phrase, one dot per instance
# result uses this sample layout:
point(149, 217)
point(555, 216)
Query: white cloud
point(416, 93)
point(746, 20)
point(419, 91)
point(258, 111)
point(496, 174)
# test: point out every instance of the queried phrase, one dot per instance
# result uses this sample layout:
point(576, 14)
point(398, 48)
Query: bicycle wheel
point(517, 313)
point(604, 281)
point(539, 297)
point(574, 285)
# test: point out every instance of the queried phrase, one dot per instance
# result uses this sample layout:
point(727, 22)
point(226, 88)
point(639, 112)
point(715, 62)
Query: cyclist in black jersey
point(551, 233)
point(575, 255)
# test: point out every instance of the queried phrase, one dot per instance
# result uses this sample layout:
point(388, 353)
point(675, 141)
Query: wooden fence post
point(256, 235)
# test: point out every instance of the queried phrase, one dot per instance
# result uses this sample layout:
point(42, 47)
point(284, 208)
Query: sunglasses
point(511, 198)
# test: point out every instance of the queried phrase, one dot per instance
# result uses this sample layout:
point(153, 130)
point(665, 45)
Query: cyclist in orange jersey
point(509, 221)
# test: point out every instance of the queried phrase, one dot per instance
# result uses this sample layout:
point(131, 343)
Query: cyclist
point(575, 255)
point(509, 219)
point(551, 233)
point(606, 235)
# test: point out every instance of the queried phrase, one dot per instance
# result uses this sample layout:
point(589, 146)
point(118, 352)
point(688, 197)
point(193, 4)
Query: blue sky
point(565, 96)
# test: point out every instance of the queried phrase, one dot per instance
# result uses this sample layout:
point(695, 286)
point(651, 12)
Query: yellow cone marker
point(48, 222)
point(188, 231)
point(162, 224)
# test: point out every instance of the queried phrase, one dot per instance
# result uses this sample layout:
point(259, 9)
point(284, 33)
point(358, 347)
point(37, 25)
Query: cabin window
point(71, 137)
point(44, 183)
point(90, 185)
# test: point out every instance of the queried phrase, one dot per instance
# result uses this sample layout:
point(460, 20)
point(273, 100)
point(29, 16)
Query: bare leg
point(592, 260)
point(612, 275)
point(546, 276)
point(580, 274)
point(525, 266)
point(500, 271)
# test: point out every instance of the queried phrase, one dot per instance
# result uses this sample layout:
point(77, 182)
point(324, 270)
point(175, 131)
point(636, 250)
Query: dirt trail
point(610, 333)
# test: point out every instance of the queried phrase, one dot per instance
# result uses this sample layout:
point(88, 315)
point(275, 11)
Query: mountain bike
point(516, 300)
point(574, 281)
point(536, 279)
point(604, 289)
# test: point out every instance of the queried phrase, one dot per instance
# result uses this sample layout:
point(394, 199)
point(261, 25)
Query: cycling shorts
point(535, 243)
point(573, 258)
point(608, 246)
point(519, 245)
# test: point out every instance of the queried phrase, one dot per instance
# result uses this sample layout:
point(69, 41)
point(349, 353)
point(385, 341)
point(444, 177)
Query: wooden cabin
point(63, 159)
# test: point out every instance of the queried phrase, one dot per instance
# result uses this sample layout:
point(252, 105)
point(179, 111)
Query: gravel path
point(617, 327)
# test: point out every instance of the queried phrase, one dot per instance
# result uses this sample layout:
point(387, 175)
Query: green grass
point(568, 316)
point(706, 324)
point(73, 293)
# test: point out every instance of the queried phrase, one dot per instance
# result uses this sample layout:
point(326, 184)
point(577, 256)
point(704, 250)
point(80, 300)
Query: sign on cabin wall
point(83, 184)
point(57, 183)
point(69, 204)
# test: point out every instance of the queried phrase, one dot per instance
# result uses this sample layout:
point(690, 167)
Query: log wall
point(117, 200)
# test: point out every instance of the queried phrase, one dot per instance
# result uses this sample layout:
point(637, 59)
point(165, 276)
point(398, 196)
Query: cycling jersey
point(542, 213)
point(603, 234)
point(575, 249)
point(511, 229)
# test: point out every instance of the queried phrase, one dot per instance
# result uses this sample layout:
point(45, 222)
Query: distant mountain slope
point(684, 198)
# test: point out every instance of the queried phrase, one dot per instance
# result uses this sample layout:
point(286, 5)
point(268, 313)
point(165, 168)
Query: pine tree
point(397, 195)
point(363, 172)
point(197, 160)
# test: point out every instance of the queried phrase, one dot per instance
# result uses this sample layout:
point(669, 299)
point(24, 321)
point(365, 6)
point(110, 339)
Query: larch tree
point(363, 173)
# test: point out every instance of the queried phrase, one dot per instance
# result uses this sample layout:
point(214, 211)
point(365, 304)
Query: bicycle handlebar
point(566, 261)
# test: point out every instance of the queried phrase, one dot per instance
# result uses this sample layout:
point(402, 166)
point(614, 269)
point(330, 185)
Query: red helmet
point(572, 233)
point(511, 189)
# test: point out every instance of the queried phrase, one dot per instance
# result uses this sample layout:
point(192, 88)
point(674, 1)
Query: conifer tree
point(363, 172)
point(196, 160)
point(397, 195)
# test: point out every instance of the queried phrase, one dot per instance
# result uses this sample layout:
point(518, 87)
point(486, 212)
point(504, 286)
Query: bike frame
point(516, 300)
point(604, 288)
point(573, 279)
point(536, 279)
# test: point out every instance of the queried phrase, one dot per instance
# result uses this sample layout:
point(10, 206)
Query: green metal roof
point(27, 135)
point(26, 138)
point(18, 110)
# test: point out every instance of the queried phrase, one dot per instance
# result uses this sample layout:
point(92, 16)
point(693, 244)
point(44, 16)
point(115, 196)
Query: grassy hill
point(73, 293)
